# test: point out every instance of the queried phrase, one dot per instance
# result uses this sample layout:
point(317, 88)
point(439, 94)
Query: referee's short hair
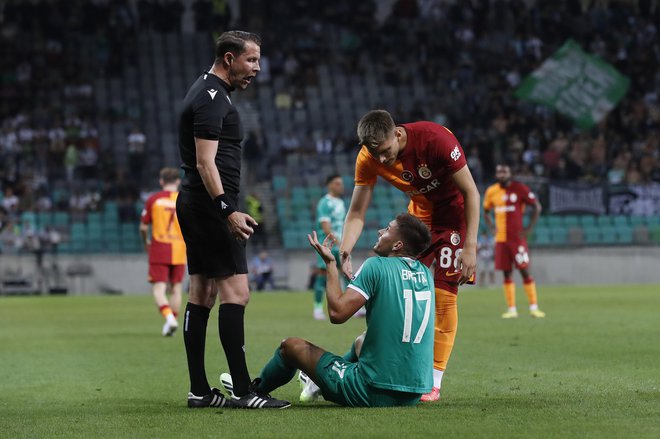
point(415, 235)
point(234, 41)
point(169, 175)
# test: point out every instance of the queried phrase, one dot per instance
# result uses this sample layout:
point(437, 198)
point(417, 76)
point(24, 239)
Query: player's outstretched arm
point(341, 306)
point(467, 260)
point(353, 225)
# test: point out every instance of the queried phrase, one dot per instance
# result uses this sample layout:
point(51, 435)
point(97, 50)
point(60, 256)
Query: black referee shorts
point(211, 248)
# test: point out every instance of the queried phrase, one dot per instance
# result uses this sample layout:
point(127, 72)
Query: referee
point(210, 135)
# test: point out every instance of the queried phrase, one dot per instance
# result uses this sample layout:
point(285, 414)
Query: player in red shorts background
point(425, 161)
point(165, 246)
point(508, 199)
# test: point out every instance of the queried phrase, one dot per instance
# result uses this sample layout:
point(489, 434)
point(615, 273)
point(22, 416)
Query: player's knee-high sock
point(194, 337)
point(510, 294)
point(275, 373)
point(165, 310)
point(232, 336)
point(446, 322)
point(351, 355)
point(530, 290)
point(319, 291)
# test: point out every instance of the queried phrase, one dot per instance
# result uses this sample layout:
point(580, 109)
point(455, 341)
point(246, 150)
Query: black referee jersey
point(208, 113)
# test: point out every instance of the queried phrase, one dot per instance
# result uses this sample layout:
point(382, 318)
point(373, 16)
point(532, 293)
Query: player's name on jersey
point(417, 276)
point(510, 208)
point(429, 187)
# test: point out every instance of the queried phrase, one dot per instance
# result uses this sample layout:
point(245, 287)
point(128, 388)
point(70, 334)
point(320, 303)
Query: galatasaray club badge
point(407, 176)
point(455, 238)
point(424, 171)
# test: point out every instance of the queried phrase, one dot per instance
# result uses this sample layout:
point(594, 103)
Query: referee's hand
point(240, 225)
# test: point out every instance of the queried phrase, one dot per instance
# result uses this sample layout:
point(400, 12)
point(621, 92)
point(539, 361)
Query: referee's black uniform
point(208, 113)
point(213, 252)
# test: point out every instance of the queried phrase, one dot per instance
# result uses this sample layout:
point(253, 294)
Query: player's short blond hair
point(374, 128)
point(169, 175)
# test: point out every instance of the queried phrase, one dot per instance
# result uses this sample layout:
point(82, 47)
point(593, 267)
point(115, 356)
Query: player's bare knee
point(290, 346)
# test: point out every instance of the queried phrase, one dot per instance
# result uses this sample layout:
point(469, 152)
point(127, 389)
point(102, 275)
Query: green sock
point(319, 290)
point(351, 355)
point(275, 374)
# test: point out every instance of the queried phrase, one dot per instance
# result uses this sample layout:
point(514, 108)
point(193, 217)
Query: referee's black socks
point(195, 320)
point(232, 337)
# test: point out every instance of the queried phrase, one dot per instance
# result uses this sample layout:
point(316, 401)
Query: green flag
point(578, 85)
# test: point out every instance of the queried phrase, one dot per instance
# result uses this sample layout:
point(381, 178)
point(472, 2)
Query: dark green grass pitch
point(98, 367)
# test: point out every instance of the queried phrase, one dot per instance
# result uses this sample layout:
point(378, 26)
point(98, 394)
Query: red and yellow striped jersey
point(509, 205)
point(424, 172)
point(167, 245)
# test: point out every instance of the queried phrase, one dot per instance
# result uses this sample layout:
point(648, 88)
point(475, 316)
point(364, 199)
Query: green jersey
point(397, 353)
point(333, 210)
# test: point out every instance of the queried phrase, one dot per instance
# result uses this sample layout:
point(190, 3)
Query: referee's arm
point(239, 223)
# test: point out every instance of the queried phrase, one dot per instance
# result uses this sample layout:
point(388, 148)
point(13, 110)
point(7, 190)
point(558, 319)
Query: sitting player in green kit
point(391, 364)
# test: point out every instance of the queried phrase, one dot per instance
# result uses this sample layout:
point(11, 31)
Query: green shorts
point(341, 382)
point(320, 263)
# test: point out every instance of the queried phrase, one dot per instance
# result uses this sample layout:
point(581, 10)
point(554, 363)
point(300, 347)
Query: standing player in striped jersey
point(424, 160)
point(330, 214)
point(508, 199)
point(165, 246)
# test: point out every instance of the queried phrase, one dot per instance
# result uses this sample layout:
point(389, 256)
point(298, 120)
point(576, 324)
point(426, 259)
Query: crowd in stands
point(470, 54)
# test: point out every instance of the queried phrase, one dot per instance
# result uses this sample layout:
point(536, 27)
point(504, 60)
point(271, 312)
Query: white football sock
point(437, 377)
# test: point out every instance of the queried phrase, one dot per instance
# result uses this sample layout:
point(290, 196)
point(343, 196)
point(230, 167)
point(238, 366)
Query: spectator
point(262, 266)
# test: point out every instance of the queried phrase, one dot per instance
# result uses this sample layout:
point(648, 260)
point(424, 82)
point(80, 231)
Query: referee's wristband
point(224, 205)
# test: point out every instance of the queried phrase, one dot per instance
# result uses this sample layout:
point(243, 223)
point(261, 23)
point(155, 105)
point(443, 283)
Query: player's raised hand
point(240, 225)
point(324, 249)
point(346, 264)
point(467, 262)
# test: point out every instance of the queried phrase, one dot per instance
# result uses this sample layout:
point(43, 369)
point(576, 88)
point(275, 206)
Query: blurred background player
point(508, 199)
point(330, 215)
point(485, 252)
point(165, 246)
point(424, 160)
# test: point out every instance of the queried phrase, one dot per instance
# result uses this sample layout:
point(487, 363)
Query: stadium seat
point(620, 220)
point(655, 234)
point(559, 235)
point(587, 220)
point(591, 235)
point(608, 235)
point(637, 220)
point(542, 236)
point(624, 234)
point(604, 220)
point(571, 220)
point(555, 221)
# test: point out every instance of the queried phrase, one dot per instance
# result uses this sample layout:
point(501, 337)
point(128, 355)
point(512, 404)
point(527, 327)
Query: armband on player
point(224, 205)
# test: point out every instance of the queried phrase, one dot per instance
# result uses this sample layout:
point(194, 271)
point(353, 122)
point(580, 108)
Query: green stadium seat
point(44, 219)
point(541, 222)
point(604, 220)
point(279, 183)
point(555, 221)
point(542, 236)
point(653, 221)
point(608, 235)
point(625, 235)
point(591, 235)
point(588, 221)
point(571, 220)
point(61, 219)
point(559, 235)
point(94, 218)
point(637, 220)
point(620, 220)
